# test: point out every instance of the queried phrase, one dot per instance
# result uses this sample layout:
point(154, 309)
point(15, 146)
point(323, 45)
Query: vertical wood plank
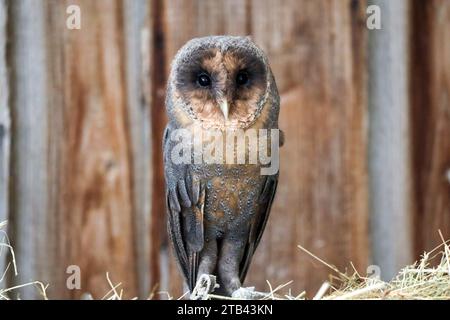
point(430, 93)
point(138, 44)
point(5, 129)
point(317, 50)
point(72, 198)
point(389, 147)
point(96, 179)
point(31, 222)
point(358, 193)
point(158, 250)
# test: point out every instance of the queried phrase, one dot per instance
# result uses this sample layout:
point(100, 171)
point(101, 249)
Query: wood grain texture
point(72, 197)
point(96, 170)
point(430, 92)
point(32, 224)
point(158, 79)
point(139, 50)
point(5, 130)
point(389, 146)
point(318, 59)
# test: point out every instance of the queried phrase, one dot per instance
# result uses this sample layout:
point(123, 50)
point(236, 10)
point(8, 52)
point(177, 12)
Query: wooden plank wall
point(32, 224)
point(87, 114)
point(430, 117)
point(73, 189)
point(389, 139)
point(138, 53)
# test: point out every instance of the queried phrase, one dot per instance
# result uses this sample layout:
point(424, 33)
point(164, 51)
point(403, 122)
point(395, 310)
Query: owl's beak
point(224, 108)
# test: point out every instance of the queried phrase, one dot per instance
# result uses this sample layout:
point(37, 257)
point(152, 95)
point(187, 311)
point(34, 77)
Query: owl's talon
point(248, 293)
point(206, 284)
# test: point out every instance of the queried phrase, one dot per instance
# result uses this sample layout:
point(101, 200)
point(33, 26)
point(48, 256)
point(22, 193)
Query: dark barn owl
point(217, 212)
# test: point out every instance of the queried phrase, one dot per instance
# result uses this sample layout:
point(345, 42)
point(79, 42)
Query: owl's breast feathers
point(210, 200)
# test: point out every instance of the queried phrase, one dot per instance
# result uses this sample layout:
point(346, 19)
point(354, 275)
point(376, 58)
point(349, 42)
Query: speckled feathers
point(217, 212)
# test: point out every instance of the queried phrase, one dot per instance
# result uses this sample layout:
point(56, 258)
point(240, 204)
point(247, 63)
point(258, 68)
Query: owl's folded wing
point(185, 198)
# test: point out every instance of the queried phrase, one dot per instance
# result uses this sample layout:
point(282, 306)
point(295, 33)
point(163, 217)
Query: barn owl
point(217, 211)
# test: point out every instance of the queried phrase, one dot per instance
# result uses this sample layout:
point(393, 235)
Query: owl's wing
point(258, 225)
point(185, 198)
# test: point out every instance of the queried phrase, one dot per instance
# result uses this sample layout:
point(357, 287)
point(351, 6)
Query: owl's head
point(221, 81)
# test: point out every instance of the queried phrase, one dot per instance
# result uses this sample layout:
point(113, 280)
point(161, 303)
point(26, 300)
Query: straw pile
point(5, 250)
point(427, 279)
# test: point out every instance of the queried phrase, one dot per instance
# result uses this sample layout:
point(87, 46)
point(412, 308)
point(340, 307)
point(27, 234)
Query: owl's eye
point(203, 80)
point(242, 78)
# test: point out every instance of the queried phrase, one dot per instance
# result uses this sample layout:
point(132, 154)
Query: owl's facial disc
point(222, 88)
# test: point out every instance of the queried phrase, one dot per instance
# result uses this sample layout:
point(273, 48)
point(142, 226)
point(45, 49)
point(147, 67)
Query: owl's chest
point(229, 147)
point(232, 194)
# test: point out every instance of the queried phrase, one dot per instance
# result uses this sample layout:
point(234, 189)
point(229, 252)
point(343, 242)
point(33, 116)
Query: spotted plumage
point(217, 212)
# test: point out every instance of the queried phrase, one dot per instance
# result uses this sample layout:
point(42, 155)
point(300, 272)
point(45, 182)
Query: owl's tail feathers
point(193, 269)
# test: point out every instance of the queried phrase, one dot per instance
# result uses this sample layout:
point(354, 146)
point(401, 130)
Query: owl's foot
point(206, 284)
point(248, 293)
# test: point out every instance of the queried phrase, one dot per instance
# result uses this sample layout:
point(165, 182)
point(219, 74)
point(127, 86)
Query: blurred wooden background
point(365, 171)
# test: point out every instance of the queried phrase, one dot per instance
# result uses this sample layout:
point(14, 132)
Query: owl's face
point(221, 85)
